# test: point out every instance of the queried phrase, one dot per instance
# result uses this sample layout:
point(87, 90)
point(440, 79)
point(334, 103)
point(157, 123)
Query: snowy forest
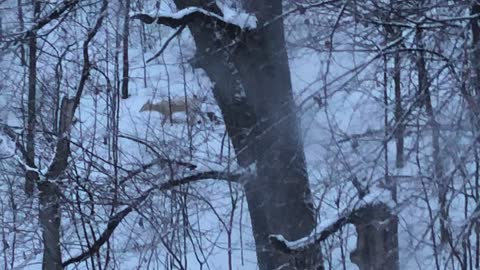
point(240, 134)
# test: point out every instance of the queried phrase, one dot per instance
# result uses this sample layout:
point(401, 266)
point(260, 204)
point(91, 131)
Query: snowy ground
point(353, 106)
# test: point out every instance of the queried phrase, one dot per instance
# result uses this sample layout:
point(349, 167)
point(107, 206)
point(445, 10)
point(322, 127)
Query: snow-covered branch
point(232, 24)
point(350, 215)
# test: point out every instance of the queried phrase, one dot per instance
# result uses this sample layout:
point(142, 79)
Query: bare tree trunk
point(31, 176)
point(22, 27)
point(50, 220)
point(393, 34)
point(399, 121)
point(50, 215)
point(126, 24)
point(476, 51)
point(425, 97)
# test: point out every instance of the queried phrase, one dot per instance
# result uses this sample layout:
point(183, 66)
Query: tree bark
point(281, 189)
point(50, 220)
point(476, 51)
point(125, 70)
point(377, 245)
point(32, 176)
point(49, 197)
point(254, 92)
point(473, 97)
point(21, 28)
point(399, 121)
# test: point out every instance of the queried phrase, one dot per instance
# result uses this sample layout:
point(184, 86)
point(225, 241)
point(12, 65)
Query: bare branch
point(53, 15)
point(164, 46)
point(116, 219)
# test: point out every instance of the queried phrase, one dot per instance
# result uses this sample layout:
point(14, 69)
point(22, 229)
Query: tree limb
point(53, 15)
point(191, 15)
point(165, 45)
point(118, 217)
point(374, 202)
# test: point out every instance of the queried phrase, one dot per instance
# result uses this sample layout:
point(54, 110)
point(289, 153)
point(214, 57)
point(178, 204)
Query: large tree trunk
point(254, 77)
point(279, 199)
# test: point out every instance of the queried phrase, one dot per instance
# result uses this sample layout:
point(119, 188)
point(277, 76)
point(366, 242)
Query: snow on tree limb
point(349, 215)
point(188, 15)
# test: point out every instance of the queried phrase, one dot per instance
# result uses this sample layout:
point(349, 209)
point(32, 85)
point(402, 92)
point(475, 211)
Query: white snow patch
point(238, 17)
